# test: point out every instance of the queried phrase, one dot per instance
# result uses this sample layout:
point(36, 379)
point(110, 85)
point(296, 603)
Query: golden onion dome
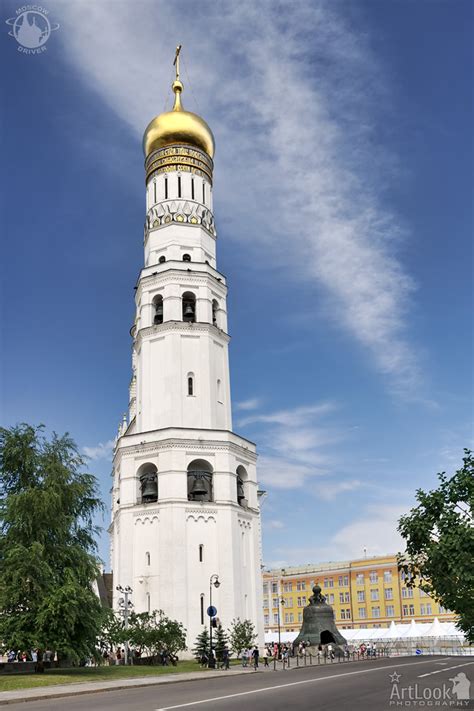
point(178, 126)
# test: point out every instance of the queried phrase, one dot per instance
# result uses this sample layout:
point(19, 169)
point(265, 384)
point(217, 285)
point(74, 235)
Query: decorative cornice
point(185, 275)
point(172, 443)
point(182, 326)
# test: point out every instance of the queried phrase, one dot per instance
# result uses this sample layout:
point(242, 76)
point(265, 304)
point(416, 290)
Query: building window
point(373, 577)
point(148, 602)
point(189, 307)
point(275, 602)
point(219, 391)
point(162, 259)
point(154, 190)
point(387, 576)
point(204, 192)
point(343, 581)
point(328, 582)
point(166, 187)
point(390, 611)
point(179, 186)
point(215, 309)
point(429, 610)
point(344, 597)
point(346, 614)
point(301, 585)
point(301, 601)
point(190, 384)
point(201, 552)
point(265, 588)
point(265, 602)
point(389, 593)
point(374, 594)
point(275, 618)
point(362, 613)
point(200, 481)
point(202, 608)
point(192, 188)
point(407, 592)
point(147, 558)
point(330, 598)
point(360, 579)
point(300, 617)
point(360, 596)
point(376, 611)
point(266, 619)
point(405, 610)
point(274, 587)
point(411, 609)
point(186, 257)
point(287, 587)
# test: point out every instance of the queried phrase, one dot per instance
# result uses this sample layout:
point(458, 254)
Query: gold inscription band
point(182, 158)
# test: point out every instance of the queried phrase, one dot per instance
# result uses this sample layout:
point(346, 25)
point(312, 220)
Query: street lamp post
point(125, 606)
point(281, 601)
point(213, 580)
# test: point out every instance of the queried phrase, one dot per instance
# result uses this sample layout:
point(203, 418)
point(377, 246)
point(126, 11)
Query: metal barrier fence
point(309, 659)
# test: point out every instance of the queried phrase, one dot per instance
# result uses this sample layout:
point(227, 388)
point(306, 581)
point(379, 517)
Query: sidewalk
point(39, 693)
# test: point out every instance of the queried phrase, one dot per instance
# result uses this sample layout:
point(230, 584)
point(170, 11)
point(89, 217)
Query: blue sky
point(343, 187)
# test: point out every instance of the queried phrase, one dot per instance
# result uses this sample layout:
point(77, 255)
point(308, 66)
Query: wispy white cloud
point(274, 523)
point(251, 404)
point(293, 417)
point(103, 450)
point(329, 490)
point(293, 93)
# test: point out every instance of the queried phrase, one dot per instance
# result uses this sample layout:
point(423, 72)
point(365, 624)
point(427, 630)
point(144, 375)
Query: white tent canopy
point(415, 630)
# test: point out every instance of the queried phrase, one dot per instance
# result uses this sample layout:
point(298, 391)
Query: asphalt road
point(378, 685)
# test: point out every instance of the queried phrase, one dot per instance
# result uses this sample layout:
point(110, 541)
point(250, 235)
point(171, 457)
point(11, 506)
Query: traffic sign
point(419, 651)
point(212, 611)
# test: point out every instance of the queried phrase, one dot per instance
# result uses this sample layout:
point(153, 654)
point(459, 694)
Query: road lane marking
point(283, 686)
point(438, 671)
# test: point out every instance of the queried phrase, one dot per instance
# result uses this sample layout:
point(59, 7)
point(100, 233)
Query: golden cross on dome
point(176, 61)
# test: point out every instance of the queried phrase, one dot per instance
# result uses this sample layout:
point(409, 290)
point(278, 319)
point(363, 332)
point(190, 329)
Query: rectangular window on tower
point(166, 187)
point(179, 186)
point(201, 552)
point(192, 188)
point(204, 192)
point(202, 609)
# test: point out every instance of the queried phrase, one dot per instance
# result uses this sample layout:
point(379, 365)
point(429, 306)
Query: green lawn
point(71, 676)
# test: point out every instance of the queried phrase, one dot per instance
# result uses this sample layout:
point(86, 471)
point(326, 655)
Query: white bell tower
point(185, 497)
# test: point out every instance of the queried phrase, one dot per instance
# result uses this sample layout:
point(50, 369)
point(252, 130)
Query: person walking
point(245, 658)
point(225, 659)
point(265, 657)
point(255, 656)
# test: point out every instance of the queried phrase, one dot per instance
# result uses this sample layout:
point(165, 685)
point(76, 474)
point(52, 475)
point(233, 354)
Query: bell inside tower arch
point(158, 306)
point(189, 307)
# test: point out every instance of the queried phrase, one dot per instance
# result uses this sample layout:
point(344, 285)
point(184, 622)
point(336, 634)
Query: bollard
point(297, 660)
point(310, 659)
point(274, 663)
point(305, 659)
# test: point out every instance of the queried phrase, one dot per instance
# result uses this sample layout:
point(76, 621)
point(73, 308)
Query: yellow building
point(369, 592)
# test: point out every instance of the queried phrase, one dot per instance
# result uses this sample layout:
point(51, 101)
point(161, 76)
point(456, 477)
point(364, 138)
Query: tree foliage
point(220, 642)
point(155, 633)
point(242, 635)
point(201, 645)
point(47, 544)
point(439, 536)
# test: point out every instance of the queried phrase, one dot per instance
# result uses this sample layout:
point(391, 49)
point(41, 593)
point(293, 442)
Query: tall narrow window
point(201, 552)
point(204, 192)
point(147, 558)
point(190, 385)
point(219, 391)
point(202, 608)
point(166, 187)
point(189, 307)
point(215, 308)
point(154, 189)
point(179, 186)
point(192, 188)
point(148, 602)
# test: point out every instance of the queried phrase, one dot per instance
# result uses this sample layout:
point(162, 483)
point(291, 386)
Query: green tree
point(47, 545)
point(155, 632)
point(201, 645)
point(439, 537)
point(242, 635)
point(220, 642)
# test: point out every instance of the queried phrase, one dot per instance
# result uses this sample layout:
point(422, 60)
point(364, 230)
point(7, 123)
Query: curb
point(119, 687)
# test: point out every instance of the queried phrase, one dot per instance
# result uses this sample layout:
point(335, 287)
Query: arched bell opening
point(189, 307)
point(200, 481)
point(158, 309)
point(327, 637)
point(242, 478)
point(215, 309)
point(148, 478)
